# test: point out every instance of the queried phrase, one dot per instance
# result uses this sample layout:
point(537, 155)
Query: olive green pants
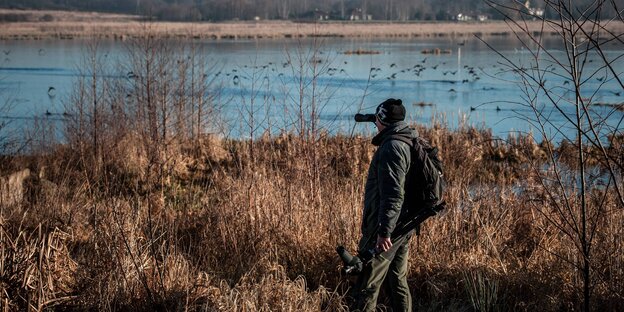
point(390, 269)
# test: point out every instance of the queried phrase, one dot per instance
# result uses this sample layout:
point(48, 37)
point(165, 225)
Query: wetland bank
point(40, 25)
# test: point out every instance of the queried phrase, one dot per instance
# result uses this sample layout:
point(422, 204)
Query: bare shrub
point(581, 182)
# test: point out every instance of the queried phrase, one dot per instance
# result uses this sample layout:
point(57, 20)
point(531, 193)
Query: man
point(383, 202)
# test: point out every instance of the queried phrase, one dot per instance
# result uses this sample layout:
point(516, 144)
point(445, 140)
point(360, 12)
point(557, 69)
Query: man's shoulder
point(397, 146)
point(399, 140)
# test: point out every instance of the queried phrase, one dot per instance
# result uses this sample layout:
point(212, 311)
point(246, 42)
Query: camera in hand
point(365, 117)
point(353, 265)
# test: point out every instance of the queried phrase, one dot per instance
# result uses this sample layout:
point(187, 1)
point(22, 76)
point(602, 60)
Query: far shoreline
point(251, 30)
point(119, 27)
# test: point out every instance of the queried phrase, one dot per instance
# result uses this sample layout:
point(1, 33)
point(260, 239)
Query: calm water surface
point(467, 85)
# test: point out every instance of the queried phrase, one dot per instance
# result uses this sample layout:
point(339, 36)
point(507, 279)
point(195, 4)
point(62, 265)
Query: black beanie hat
point(390, 111)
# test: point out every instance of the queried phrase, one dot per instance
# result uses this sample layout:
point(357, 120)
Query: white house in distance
point(537, 12)
point(357, 15)
point(465, 18)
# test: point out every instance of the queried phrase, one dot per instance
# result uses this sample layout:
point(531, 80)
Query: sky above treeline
point(394, 10)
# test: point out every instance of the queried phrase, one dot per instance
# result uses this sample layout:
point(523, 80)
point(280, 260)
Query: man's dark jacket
point(384, 193)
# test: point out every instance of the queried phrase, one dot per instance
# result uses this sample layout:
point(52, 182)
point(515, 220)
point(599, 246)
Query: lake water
point(469, 84)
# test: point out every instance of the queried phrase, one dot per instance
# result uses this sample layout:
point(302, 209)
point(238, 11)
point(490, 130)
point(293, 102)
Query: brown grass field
point(68, 25)
point(231, 232)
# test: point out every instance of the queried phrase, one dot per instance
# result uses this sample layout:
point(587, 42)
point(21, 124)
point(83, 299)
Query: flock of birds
point(469, 73)
point(418, 69)
point(375, 72)
point(41, 52)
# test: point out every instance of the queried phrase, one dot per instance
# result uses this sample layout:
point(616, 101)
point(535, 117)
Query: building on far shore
point(321, 15)
point(535, 12)
point(466, 18)
point(357, 15)
point(463, 18)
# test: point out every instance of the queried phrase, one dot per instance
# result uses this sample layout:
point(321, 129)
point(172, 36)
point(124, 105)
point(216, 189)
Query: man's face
point(379, 125)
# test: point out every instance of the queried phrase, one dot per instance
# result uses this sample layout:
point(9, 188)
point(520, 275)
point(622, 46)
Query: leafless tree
point(583, 189)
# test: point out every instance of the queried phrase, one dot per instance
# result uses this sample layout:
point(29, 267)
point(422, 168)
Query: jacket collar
point(400, 127)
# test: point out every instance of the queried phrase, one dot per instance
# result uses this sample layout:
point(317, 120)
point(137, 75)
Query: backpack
point(424, 187)
point(424, 183)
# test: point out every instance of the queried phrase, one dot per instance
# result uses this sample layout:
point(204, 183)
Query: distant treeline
point(222, 10)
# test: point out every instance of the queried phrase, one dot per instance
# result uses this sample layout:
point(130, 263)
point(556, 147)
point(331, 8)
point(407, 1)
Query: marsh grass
point(229, 232)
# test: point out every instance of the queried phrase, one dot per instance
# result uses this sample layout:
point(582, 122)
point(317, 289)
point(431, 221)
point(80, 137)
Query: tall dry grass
point(232, 233)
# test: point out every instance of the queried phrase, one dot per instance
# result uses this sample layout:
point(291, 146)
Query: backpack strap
point(418, 151)
point(407, 140)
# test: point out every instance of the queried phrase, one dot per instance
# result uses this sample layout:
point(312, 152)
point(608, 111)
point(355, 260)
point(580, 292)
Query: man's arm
point(391, 171)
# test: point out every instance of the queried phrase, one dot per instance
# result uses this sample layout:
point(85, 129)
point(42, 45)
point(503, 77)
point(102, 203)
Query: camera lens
point(364, 118)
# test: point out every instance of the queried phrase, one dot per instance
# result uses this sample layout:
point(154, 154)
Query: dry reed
point(232, 233)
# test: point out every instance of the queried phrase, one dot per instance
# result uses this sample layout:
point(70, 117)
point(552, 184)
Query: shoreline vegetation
point(39, 25)
point(252, 226)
